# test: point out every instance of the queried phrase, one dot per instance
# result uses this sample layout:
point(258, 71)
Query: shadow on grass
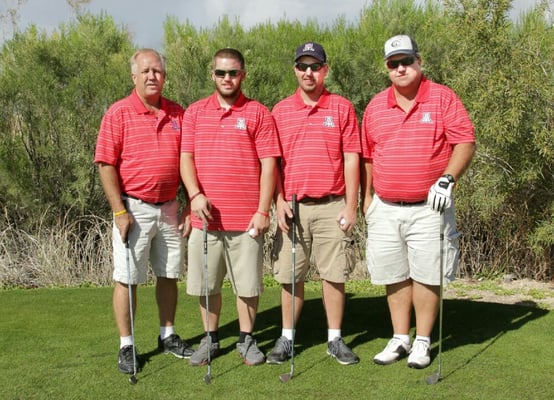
point(367, 319)
point(468, 322)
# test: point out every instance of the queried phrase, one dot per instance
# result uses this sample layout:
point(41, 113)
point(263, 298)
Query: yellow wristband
point(117, 214)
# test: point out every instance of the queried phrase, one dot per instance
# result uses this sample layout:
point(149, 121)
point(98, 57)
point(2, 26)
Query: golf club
point(288, 376)
point(436, 377)
point(132, 378)
point(208, 376)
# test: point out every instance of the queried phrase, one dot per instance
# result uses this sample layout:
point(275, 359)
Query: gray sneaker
point(250, 352)
point(200, 356)
point(339, 350)
point(281, 352)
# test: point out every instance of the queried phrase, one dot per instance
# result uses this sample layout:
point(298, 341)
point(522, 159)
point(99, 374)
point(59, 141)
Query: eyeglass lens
point(221, 73)
point(304, 67)
point(406, 61)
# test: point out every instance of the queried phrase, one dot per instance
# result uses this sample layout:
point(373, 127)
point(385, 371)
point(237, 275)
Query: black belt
point(408, 203)
point(159, 203)
point(319, 200)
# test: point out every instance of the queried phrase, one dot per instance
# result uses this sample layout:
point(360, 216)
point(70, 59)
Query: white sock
point(125, 341)
point(404, 338)
point(287, 333)
point(425, 339)
point(332, 334)
point(166, 331)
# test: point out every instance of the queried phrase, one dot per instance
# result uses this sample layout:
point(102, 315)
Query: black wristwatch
point(450, 178)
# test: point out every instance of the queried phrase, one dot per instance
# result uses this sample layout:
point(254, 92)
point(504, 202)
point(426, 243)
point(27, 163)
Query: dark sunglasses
point(304, 67)
point(406, 61)
point(220, 73)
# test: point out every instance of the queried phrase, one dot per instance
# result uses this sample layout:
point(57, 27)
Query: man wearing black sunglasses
point(417, 141)
point(319, 135)
point(228, 165)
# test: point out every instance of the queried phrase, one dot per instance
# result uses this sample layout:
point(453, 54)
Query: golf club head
point(284, 378)
point(433, 379)
point(133, 380)
point(207, 379)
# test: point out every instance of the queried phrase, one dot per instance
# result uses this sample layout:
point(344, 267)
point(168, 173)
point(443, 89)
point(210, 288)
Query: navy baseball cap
point(311, 49)
point(401, 44)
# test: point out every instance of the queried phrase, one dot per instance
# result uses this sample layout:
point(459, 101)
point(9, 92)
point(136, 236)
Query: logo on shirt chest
point(328, 122)
point(241, 124)
point(174, 124)
point(426, 118)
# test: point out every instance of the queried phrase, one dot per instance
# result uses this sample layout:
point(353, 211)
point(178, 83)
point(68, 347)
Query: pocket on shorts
point(349, 250)
point(371, 208)
point(452, 250)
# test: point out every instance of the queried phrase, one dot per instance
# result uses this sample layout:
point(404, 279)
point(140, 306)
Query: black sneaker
point(125, 360)
point(339, 350)
point(281, 352)
point(173, 344)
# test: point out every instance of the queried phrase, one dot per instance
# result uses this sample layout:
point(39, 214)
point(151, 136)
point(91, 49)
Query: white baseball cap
point(401, 44)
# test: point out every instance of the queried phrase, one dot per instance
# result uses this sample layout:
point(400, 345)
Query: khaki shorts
point(236, 255)
point(404, 242)
point(154, 238)
point(319, 240)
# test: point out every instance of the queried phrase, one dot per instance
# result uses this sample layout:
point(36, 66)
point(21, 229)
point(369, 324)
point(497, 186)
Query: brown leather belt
point(310, 201)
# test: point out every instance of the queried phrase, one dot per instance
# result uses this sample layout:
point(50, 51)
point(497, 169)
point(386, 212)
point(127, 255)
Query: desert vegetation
point(54, 88)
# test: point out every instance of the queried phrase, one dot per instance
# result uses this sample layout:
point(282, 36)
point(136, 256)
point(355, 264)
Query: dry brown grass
point(73, 253)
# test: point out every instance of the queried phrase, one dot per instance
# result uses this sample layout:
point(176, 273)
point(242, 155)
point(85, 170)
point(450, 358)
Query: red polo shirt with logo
point(144, 147)
point(313, 141)
point(227, 146)
point(410, 151)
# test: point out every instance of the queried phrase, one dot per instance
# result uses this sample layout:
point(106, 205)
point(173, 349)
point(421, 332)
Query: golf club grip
point(293, 216)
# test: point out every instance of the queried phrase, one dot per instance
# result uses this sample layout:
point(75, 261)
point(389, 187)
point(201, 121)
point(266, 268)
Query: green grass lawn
point(62, 344)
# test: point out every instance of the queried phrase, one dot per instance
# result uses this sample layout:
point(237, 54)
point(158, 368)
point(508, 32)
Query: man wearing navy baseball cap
point(311, 49)
point(417, 141)
point(320, 167)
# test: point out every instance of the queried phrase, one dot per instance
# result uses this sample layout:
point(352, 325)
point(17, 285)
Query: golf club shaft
point(436, 377)
point(293, 294)
point(441, 290)
point(130, 295)
point(207, 378)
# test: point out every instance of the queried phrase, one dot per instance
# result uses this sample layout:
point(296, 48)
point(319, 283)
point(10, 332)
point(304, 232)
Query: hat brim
point(309, 54)
point(406, 52)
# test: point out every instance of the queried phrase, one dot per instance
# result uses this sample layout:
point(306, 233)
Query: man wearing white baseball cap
point(417, 141)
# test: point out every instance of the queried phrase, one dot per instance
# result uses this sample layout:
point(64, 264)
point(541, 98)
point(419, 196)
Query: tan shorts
point(404, 242)
point(319, 240)
point(154, 238)
point(236, 255)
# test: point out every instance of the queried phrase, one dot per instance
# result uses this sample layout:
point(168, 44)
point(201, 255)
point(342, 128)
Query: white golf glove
point(440, 194)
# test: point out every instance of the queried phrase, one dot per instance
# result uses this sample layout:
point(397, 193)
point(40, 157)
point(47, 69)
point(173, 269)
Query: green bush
point(55, 88)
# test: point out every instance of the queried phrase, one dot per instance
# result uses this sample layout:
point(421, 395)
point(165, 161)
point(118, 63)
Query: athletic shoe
point(281, 352)
point(250, 352)
point(200, 356)
point(419, 355)
point(173, 344)
point(339, 350)
point(125, 360)
point(394, 350)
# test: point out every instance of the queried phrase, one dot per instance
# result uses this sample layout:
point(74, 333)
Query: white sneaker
point(419, 355)
point(394, 350)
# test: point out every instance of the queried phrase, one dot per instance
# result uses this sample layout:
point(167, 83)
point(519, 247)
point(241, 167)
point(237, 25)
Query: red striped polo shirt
point(143, 147)
point(411, 151)
point(313, 140)
point(227, 146)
